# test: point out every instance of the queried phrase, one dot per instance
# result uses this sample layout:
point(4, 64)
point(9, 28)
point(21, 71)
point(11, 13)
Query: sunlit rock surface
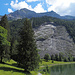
point(54, 40)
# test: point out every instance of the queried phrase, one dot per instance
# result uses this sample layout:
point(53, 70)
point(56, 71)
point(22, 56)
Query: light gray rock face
point(53, 40)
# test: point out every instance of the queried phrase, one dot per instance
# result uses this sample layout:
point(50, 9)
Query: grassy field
point(11, 68)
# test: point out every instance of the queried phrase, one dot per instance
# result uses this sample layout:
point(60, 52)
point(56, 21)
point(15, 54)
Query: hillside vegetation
point(36, 22)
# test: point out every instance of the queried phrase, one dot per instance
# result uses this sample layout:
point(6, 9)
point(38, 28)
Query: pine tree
point(56, 57)
point(52, 57)
point(3, 42)
point(27, 50)
point(4, 24)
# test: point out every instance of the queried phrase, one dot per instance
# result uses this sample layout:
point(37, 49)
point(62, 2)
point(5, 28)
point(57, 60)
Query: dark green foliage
point(47, 57)
point(4, 22)
point(73, 58)
point(46, 70)
point(56, 57)
point(66, 59)
point(3, 43)
point(60, 57)
point(70, 58)
point(13, 49)
point(52, 57)
point(27, 51)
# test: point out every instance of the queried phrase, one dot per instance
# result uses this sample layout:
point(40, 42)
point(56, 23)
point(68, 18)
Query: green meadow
point(11, 67)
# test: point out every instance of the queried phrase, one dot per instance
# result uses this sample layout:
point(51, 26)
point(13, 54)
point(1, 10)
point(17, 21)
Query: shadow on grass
point(14, 64)
point(13, 69)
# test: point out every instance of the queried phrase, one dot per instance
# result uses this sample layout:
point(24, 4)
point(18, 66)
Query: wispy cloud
point(32, 0)
point(6, 4)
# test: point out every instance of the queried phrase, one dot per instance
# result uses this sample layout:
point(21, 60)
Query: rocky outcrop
point(54, 40)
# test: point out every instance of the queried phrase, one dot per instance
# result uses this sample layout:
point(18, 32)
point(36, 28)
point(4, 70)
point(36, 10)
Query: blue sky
point(62, 7)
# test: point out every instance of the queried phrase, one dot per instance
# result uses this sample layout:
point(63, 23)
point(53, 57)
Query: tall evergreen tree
point(4, 23)
point(52, 57)
point(56, 57)
point(27, 50)
point(3, 43)
point(60, 56)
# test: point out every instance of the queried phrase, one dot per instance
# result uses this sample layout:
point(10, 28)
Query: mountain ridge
point(25, 13)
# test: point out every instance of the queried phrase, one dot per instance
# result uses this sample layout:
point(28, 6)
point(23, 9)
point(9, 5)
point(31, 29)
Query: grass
point(11, 68)
point(49, 63)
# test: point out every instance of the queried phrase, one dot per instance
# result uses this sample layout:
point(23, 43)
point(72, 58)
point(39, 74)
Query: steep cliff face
point(53, 40)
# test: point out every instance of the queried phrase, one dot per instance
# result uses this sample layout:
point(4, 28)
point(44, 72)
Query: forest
point(17, 41)
point(36, 22)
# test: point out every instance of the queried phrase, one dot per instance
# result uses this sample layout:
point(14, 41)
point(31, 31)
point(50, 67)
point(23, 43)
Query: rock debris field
point(53, 39)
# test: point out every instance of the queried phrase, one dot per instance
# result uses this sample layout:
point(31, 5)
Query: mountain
point(69, 17)
point(25, 13)
point(53, 39)
point(52, 14)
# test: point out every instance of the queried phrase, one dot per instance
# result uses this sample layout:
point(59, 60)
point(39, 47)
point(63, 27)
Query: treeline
point(59, 57)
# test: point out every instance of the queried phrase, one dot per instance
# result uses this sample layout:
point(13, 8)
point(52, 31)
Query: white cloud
point(32, 0)
point(62, 7)
point(6, 4)
point(39, 8)
point(16, 1)
point(19, 5)
point(10, 10)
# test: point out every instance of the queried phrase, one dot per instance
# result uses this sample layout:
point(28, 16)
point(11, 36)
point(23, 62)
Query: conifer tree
point(47, 57)
point(52, 57)
point(27, 50)
point(4, 24)
point(3, 43)
point(56, 57)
